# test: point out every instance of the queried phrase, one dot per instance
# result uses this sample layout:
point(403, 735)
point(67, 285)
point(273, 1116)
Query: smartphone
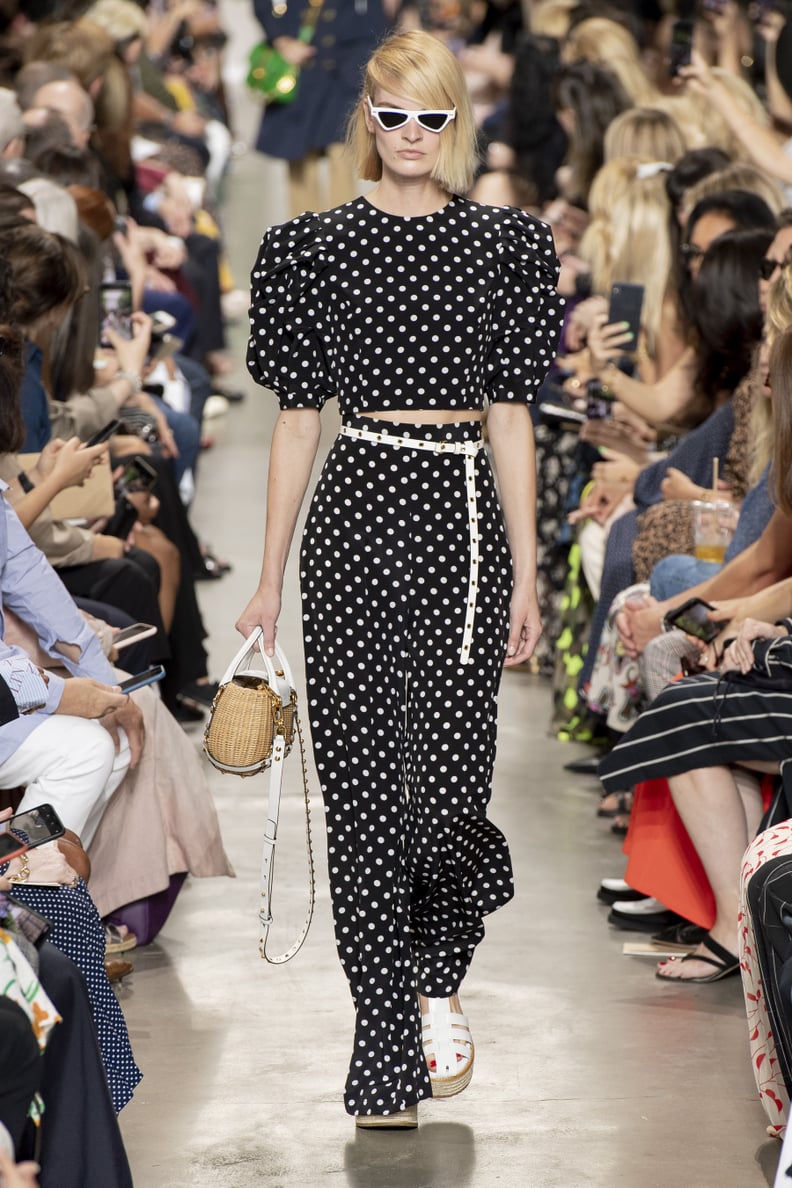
point(691, 618)
point(123, 519)
point(138, 475)
point(561, 412)
point(598, 406)
point(30, 924)
point(115, 310)
point(143, 678)
point(121, 226)
point(36, 826)
point(104, 434)
point(681, 45)
point(11, 847)
point(133, 634)
point(626, 303)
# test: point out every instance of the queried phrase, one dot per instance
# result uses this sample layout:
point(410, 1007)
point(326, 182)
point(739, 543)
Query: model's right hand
point(262, 611)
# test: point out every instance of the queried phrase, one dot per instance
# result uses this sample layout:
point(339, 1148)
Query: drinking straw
point(715, 478)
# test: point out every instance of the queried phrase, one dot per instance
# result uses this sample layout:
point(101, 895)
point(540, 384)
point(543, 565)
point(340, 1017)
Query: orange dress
point(661, 858)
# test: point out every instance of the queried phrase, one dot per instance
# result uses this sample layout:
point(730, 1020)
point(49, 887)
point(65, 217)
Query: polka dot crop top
point(439, 311)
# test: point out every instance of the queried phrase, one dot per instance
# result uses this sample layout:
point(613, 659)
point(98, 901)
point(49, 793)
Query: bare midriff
point(434, 416)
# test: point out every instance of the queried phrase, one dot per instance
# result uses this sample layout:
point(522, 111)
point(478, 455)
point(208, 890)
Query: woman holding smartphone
point(413, 306)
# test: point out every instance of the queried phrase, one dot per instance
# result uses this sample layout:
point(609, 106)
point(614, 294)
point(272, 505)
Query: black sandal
point(725, 963)
point(624, 801)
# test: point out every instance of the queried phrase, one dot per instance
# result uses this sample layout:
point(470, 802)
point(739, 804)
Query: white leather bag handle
point(279, 677)
point(268, 850)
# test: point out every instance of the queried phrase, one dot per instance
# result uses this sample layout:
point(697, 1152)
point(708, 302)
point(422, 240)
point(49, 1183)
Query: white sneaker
point(235, 305)
point(640, 907)
point(216, 406)
point(615, 885)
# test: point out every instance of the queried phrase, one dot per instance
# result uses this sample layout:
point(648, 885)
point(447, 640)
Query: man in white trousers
point(69, 742)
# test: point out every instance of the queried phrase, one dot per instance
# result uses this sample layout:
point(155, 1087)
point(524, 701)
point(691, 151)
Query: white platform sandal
point(406, 1119)
point(448, 1048)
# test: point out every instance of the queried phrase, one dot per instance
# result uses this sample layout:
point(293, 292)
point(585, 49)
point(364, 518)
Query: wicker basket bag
point(251, 728)
point(255, 702)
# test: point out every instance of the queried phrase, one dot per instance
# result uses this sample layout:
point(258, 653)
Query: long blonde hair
point(646, 132)
point(417, 65)
point(628, 237)
point(773, 417)
point(610, 45)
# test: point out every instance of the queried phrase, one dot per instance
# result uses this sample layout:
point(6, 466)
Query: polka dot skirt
point(77, 931)
point(384, 312)
point(403, 732)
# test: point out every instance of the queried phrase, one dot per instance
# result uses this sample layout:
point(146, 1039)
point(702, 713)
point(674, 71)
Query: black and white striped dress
point(710, 720)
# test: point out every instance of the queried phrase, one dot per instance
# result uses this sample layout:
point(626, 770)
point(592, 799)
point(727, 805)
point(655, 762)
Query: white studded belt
point(469, 449)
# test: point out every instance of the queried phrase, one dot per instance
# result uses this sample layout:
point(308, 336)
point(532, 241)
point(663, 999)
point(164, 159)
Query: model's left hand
point(525, 627)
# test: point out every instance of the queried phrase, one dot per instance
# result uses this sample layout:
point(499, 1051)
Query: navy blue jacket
point(345, 37)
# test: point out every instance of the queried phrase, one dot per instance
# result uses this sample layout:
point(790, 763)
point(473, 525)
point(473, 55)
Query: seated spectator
point(703, 732)
point(74, 764)
point(78, 933)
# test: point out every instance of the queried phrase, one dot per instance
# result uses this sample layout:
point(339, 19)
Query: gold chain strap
point(287, 956)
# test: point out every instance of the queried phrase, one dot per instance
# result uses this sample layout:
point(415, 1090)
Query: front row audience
point(114, 142)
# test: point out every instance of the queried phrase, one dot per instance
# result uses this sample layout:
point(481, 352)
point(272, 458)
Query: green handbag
point(269, 74)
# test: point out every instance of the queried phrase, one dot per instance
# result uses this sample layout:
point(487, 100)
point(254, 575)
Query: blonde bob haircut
point(419, 67)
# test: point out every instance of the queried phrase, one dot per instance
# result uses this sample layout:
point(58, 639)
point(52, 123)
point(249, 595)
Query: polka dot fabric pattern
point(404, 732)
point(78, 932)
point(390, 313)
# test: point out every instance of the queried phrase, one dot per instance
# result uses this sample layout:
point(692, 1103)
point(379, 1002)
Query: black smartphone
point(691, 617)
point(115, 310)
point(33, 926)
point(104, 434)
point(37, 825)
point(626, 304)
point(11, 847)
point(598, 406)
point(156, 673)
point(681, 45)
point(138, 475)
point(123, 519)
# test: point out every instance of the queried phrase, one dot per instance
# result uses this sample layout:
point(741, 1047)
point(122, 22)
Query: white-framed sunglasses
point(391, 118)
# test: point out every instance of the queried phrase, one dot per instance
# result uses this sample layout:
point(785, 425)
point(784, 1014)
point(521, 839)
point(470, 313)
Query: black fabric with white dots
point(439, 312)
point(432, 312)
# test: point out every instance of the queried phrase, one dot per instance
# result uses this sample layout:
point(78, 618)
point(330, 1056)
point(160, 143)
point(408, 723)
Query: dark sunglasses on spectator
point(768, 267)
point(690, 251)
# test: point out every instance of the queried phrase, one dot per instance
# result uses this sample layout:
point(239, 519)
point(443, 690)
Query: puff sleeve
point(527, 312)
point(288, 349)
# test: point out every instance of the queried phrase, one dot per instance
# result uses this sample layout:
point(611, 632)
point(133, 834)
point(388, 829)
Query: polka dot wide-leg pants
point(404, 731)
